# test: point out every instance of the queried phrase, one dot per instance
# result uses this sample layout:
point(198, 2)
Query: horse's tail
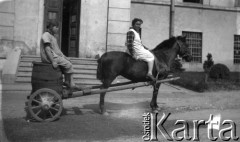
point(99, 69)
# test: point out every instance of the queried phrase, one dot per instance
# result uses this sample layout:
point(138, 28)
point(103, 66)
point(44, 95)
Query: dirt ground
point(82, 122)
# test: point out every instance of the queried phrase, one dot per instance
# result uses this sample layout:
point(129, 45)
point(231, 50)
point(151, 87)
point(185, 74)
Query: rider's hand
point(54, 64)
point(145, 47)
point(67, 58)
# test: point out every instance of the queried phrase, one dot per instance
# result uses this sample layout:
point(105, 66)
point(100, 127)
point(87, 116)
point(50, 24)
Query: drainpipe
point(106, 49)
point(172, 13)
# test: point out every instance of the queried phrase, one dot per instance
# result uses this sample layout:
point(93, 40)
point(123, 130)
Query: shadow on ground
point(79, 124)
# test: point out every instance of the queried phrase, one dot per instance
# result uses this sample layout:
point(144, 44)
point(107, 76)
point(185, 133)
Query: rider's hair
point(51, 24)
point(135, 20)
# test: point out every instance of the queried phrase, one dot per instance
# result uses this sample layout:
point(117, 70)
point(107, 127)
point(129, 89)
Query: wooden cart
point(45, 104)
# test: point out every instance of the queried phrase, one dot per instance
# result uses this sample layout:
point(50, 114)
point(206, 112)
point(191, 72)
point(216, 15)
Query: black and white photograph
point(119, 70)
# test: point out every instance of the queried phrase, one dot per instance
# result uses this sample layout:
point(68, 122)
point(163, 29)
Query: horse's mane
point(165, 44)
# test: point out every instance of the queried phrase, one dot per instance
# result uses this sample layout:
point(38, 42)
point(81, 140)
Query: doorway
point(70, 28)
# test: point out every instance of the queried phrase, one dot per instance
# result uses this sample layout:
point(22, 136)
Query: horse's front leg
point(153, 103)
point(101, 104)
point(105, 85)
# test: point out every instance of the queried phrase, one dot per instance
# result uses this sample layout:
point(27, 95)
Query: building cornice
point(188, 5)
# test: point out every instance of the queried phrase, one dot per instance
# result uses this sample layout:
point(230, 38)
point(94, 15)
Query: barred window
point(236, 52)
point(194, 40)
point(237, 3)
point(194, 1)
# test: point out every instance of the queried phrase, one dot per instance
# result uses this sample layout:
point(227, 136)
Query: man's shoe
point(66, 84)
point(151, 77)
point(77, 88)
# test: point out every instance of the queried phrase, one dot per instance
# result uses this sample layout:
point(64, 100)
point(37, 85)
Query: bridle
point(180, 45)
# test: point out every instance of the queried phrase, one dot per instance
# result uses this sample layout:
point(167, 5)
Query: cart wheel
point(45, 105)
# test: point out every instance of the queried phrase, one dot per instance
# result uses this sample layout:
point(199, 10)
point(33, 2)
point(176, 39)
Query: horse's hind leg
point(105, 85)
point(101, 103)
point(153, 103)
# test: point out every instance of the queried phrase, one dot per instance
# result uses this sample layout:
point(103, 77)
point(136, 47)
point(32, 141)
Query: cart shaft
point(117, 88)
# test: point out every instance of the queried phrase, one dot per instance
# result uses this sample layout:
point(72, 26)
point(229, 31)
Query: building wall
point(7, 12)
point(217, 24)
point(103, 26)
point(155, 27)
point(23, 21)
point(27, 22)
point(222, 3)
point(118, 24)
point(21, 25)
point(93, 27)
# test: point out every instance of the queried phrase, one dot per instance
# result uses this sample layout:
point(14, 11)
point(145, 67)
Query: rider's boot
point(149, 74)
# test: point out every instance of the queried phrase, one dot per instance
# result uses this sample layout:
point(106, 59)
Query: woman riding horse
point(115, 63)
point(137, 49)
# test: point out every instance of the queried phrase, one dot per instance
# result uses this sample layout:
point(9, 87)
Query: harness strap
point(160, 66)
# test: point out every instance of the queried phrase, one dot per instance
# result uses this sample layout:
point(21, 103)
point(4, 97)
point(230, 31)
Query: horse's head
point(184, 52)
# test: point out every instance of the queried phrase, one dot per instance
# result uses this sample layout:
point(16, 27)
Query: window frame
point(193, 1)
point(237, 3)
point(236, 50)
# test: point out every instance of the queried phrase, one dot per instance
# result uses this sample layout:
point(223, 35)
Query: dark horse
point(115, 63)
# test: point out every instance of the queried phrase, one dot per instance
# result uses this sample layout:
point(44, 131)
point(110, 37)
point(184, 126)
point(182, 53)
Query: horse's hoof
point(105, 114)
point(154, 110)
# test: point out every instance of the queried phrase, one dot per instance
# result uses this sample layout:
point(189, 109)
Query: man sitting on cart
point(51, 53)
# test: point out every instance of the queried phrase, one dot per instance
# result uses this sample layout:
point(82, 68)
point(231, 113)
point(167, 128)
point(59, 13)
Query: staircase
point(84, 70)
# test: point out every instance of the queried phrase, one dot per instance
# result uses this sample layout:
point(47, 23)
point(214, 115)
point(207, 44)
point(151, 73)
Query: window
point(237, 3)
point(194, 40)
point(194, 1)
point(236, 52)
point(52, 15)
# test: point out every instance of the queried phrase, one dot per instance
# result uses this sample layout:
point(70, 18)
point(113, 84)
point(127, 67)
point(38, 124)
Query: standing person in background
point(51, 53)
point(137, 49)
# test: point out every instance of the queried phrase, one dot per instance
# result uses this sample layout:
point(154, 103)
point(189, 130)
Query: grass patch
point(195, 81)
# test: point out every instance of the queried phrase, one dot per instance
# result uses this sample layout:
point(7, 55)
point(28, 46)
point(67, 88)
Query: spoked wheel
point(45, 105)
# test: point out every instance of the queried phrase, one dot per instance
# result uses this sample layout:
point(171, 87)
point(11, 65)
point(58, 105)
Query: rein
point(180, 48)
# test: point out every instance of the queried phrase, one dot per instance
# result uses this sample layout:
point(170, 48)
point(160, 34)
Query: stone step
point(87, 76)
point(75, 67)
point(84, 66)
point(85, 62)
point(76, 70)
point(27, 77)
point(37, 58)
point(24, 69)
point(78, 79)
point(83, 72)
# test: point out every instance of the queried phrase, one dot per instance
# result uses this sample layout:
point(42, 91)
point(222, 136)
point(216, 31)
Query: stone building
point(91, 27)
